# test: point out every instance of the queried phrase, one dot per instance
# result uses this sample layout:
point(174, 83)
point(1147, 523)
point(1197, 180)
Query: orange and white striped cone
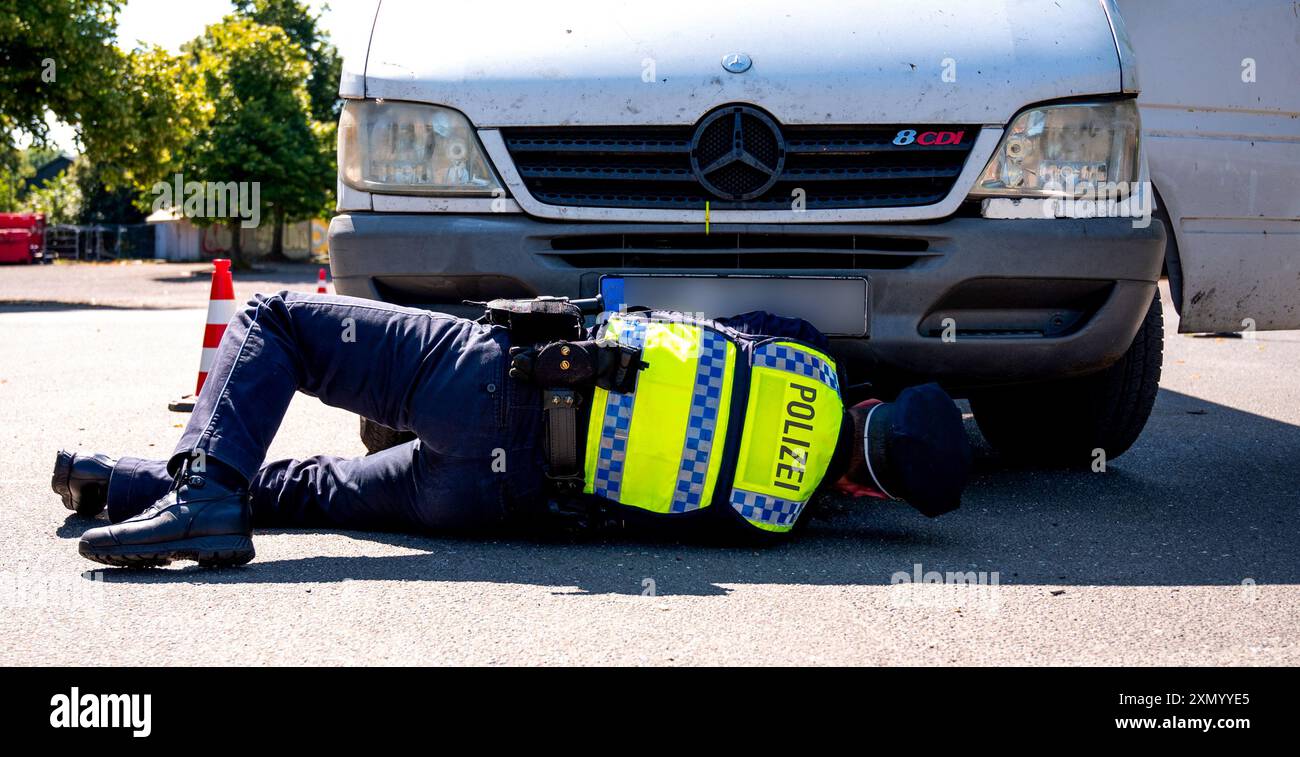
point(221, 308)
point(320, 283)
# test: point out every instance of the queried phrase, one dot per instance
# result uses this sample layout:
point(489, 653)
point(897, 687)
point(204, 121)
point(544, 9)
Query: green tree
point(303, 27)
point(133, 112)
point(159, 107)
point(100, 204)
point(16, 168)
point(295, 18)
point(59, 198)
point(260, 129)
point(10, 183)
point(56, 55)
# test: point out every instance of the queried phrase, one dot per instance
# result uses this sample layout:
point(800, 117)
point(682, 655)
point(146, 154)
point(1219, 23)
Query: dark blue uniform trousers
point(479, 445)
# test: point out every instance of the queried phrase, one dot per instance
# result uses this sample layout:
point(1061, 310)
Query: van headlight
point(408, 148)
point(1064, 151)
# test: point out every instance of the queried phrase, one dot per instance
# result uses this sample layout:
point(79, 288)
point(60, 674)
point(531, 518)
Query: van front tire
point(1063, 423)
point(377, 437)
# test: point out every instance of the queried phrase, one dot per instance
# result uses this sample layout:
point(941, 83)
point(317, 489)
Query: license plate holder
point(836, 305)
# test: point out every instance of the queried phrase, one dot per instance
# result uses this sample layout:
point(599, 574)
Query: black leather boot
point(82, 481)
point(199, 519)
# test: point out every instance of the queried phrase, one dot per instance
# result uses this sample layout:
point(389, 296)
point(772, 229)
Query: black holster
point(535, 321)
point(577, 365)
point(548, 350)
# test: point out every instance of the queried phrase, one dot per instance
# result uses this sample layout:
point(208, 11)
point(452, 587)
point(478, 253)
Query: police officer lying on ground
point(519, 414)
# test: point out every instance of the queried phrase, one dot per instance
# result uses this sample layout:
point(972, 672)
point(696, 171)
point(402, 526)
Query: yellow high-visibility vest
point(718, 418)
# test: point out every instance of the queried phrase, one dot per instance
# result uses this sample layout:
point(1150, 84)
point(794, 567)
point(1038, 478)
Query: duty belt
point(563, 369)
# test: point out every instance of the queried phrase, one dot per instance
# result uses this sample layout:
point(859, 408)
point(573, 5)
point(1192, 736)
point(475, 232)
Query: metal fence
point(99, 242)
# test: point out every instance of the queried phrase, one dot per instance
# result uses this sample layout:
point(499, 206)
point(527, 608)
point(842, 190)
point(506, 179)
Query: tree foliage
point(59, 198)
point(103, 201)
point(160, 108)
point(260, 129)
point(251, 100)
point(298, 22)
point(133, 112)
point(56, 55)
point(17, 168)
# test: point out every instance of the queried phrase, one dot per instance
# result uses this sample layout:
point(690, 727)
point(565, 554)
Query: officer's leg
point(409, 369)
point(386, 363)
point(135, 484)
point(409, 487)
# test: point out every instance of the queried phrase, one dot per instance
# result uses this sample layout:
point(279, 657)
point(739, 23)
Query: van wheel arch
point(1173, 267)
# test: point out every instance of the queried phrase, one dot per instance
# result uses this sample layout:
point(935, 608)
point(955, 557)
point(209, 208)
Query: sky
point(170, 24)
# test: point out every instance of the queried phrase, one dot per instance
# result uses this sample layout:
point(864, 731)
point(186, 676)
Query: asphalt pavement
point(1182, 552)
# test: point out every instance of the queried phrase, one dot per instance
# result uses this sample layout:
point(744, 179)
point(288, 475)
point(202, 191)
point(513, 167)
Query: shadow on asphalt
point(293, 273)
point(48, 306)
point(1208, 496)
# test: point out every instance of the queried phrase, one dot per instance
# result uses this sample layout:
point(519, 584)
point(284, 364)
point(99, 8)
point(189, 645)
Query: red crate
point(22, 237)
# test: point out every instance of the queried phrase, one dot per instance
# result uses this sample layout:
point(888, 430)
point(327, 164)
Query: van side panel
point(1221, 118)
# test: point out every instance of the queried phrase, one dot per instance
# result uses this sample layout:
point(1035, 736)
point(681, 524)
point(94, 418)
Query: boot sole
point(60, 481)
point(208, 551)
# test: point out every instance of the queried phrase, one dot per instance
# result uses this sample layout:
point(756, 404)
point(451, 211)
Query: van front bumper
point(967, 301)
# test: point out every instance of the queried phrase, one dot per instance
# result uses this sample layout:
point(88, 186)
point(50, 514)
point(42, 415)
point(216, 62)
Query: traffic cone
point(320, 283)
point(221, 308)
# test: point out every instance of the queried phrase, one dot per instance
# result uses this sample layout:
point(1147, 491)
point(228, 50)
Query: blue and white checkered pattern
point(786, 357)
point(701, 426)
point(629, 331)
point(617, 419)
point(613, 445)
point(764, 509)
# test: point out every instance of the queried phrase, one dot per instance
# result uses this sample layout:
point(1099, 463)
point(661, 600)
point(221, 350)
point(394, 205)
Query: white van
point(890, 171)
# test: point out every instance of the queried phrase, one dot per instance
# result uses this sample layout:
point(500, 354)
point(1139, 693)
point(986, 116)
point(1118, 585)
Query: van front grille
point(650, 167)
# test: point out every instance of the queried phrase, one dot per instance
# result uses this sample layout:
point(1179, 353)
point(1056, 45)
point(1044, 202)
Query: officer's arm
point(763, 323)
